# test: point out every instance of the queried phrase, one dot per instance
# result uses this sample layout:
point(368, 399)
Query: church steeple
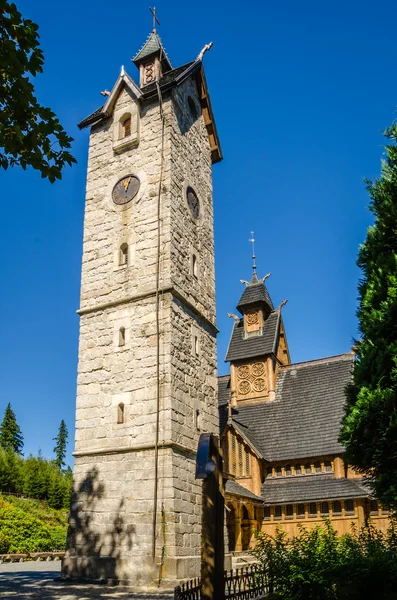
point(258, 344)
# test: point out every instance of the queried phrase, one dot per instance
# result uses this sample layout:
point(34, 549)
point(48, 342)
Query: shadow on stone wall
point(96, 550)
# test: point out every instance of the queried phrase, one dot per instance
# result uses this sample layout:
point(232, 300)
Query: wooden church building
point(280, 423)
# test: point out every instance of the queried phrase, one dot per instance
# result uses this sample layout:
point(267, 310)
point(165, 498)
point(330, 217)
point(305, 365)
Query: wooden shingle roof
point(305, 418)
point(311, 488)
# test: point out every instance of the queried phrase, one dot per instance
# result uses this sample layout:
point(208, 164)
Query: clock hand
point(126, 183)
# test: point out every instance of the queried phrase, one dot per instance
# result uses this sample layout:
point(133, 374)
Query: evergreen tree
point(37, 474)
point(369, 429)
point(60, 447)
point(11, 437)
point(57, 490)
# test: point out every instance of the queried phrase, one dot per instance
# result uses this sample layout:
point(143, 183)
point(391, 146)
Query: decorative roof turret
point(152, 48)
point(255, 293)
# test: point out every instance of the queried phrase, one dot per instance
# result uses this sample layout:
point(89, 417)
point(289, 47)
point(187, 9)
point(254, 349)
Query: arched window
point(247, 463)
point(289, 510)
point(298, 470)
point(192, 107)
point(234, 458)
point(194, 266)
point(328, 465)
point(198, 419)
point(374, 506)
point(240, 458)
point(126, 126)
point(312, 509)
point(266, 513)
point(317, 467)
point(278, 472)
point(324, 508)
point(336, 507)
point(288, 469)
point(244, 514)
point(120, 413)
point(269, 471)
point(308, 468)
point(122, 336)
point(123, 256)
point(349, 506)
point(300, 510)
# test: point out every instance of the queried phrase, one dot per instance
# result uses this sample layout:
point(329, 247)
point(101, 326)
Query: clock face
point(193, 202)
point(125, 190)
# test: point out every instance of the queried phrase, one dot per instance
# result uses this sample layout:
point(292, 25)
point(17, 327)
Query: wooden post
point(212, 536)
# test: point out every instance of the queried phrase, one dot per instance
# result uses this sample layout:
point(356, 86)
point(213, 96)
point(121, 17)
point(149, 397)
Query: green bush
point(317, 564)
point(31, 526)
point(4, 543)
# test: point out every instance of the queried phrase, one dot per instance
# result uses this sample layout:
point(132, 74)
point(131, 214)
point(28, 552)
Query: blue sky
point(300, 92)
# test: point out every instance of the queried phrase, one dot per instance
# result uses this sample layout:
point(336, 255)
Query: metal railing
point(247, 583)
point(21, 557)
point(190, 590)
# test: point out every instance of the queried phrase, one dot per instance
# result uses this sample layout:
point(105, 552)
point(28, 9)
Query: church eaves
point(242, 348)
point(167, 82)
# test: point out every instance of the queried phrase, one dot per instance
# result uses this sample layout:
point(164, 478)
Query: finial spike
point(155, 19)
point(254, 275)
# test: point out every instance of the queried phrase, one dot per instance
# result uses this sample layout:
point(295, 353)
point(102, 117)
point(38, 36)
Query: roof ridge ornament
point(203, 51)
point(280, 306)
point(233, 316)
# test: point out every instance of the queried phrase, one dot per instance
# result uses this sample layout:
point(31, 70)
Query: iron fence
point(247, 583)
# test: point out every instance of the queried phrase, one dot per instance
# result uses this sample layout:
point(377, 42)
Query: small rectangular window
point(349, 506)
point(288, 470)
point(266, 514)
point(289, 511)
point(278, 513)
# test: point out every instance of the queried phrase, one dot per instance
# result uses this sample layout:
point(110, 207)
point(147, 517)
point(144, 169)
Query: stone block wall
point(110, 533)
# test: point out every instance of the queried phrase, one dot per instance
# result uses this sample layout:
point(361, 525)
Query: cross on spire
point(155, 19)
point(254, 275)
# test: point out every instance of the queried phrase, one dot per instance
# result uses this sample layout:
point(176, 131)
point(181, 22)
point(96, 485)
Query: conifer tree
point(369, 429)
point(11, 437)
point(60, 447)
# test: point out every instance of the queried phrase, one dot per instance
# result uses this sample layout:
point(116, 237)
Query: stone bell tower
point(147, 349)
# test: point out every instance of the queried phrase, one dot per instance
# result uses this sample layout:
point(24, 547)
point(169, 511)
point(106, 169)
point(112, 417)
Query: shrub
point(4, 543)
point(31, 526)
point(317, 564)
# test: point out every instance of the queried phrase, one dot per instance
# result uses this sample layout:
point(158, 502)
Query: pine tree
point(60, 447)
point(11, 437)
point(369, 429)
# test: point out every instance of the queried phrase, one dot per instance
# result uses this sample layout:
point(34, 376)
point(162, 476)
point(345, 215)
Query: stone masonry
point(110, 533)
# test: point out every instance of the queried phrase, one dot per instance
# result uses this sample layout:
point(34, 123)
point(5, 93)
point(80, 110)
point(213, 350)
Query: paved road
point(36, 581)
